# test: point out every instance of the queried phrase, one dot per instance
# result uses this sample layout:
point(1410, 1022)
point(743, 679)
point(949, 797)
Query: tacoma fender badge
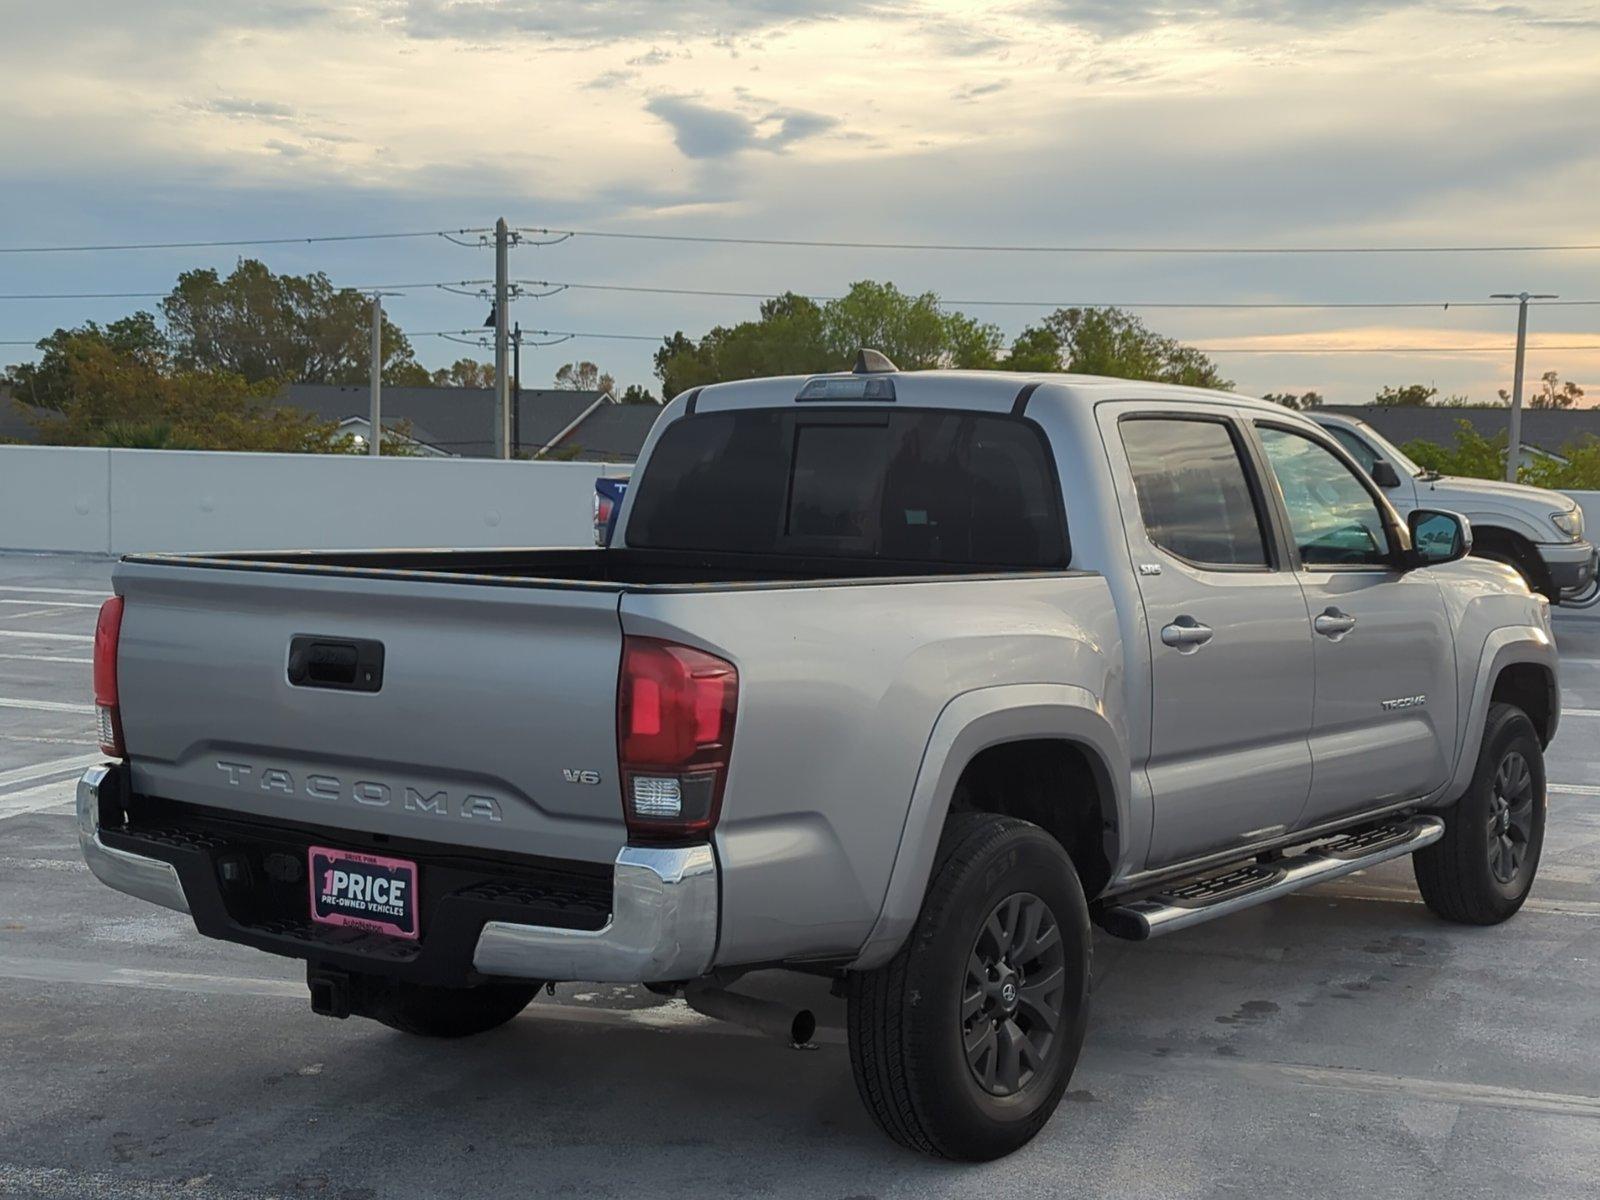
point(1400, 702)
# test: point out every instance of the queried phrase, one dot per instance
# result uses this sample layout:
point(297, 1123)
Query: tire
point(1479, 873)
point(912, 1020)
point(440, 1012)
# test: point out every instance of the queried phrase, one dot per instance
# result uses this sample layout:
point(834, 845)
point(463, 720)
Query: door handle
point(1333, 624)
point(1186, 634)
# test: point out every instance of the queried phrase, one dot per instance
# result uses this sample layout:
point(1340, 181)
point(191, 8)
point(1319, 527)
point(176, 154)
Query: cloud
point(700, 131)
point(617, 20)
point(1121, 18)
point(607, 80)
point(239, 108)
point(973, 92)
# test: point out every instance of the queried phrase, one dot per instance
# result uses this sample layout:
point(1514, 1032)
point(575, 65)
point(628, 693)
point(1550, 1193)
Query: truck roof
point(995, 390)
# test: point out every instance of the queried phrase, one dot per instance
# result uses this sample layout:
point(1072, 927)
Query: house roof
point(457, 420)
point(14, 423)
point(614, 432)
point(1550, 429)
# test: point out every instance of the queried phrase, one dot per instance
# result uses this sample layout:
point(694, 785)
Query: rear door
point(491, 721)
point(1386, 704)
point(1230, 650)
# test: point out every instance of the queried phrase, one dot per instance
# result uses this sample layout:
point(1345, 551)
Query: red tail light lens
point(675, 710)
point(107, 631)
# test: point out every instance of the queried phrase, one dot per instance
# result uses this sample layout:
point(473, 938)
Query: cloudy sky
point(1066, 122)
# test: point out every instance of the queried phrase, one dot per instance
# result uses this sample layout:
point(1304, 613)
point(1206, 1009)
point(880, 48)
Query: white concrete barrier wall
point(120, 501)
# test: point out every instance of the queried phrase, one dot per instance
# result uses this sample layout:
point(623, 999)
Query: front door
point(1384, 728)
point(1230, 650)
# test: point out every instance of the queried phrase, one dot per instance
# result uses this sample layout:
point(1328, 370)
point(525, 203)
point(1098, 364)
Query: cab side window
point(1358, 449)
point(1194, 496)
point(1334, 519)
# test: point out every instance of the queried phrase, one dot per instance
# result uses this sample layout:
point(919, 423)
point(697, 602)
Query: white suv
point(1537, 531)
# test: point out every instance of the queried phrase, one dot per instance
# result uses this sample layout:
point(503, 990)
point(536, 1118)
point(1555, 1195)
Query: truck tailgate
point(493, 725)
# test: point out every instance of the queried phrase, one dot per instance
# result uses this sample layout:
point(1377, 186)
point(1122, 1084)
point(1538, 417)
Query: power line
point(1000, 248)
point(221, 243)
point(991, 303)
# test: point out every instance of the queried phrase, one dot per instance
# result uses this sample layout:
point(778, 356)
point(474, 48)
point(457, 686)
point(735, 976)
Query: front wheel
point(964, 1042)
point(1479, 873)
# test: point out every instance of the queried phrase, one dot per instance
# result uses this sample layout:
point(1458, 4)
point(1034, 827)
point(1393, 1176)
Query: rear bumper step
point(1240, 888)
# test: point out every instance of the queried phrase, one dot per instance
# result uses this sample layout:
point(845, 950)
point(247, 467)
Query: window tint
point(1194, 497)
point(944, 487)
point(1359, 450)
point(1333, 517)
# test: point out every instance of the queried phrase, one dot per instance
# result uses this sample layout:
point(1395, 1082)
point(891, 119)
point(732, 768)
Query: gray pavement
point(1340, 1043)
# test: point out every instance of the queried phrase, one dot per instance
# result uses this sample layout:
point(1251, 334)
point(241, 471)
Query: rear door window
point(964, 489)
point(1195, 498)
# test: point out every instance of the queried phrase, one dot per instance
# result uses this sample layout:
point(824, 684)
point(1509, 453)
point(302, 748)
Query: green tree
point(1036, 348)
point(1550, 392)
point(48, 383)
point(1298, 401)
point(1581, 471)
point(637, 395)
point(290, 328)
point(464, 372)
point(1109, 341)
point(585, 377)
point(146, 401)
point(1411, 395)
point(1473, 455)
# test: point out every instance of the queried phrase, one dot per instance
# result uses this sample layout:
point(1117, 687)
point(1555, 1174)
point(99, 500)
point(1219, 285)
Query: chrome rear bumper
point(147, 878)
point(663, 924)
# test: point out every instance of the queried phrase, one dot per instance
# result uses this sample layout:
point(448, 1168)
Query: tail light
point(675, 709)
point(107, 631)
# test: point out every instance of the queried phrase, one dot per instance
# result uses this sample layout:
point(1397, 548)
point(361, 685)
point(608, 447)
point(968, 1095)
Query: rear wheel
point(1479, 873)
point(963, 1044)
point(441, 1012)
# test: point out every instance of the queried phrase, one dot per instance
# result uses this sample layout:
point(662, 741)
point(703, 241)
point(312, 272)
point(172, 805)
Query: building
point(453, 422)
point(1546, 432)
point(460, 422)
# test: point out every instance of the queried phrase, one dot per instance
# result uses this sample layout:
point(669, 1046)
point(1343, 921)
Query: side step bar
point(1214, 896)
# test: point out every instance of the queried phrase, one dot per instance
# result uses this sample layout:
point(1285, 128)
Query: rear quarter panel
point(840, 690)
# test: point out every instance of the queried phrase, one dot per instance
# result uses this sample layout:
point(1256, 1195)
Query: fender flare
point(1504, 647)
point(972, 722)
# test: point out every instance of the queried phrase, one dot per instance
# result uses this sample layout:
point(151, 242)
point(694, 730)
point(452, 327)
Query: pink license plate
point(364, 891)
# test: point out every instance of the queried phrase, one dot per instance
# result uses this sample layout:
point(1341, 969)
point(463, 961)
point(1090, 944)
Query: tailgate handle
point(344, 664)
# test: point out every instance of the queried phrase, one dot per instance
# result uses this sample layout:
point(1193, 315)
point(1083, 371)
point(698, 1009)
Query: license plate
point(364, 891)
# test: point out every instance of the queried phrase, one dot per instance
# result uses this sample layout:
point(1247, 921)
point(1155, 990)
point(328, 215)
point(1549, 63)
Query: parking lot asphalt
point(1338, 1043)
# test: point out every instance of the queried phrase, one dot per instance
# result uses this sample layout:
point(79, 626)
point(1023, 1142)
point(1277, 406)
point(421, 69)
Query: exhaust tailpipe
point(764, 1016)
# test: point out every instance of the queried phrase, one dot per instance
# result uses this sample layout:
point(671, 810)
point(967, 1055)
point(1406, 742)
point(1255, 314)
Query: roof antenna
point(872, 362)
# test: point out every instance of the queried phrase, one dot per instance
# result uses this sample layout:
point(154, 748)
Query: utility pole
point(502, 313)
point(1514, 442)
point(375, 417)
point(516, 390)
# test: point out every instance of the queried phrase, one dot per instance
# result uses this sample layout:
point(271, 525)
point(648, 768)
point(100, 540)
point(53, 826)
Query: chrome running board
point(1240, 887)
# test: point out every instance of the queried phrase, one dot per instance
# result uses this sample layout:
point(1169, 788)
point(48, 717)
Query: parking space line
point(30, 635)
point(1580, 712)
point(57, 591)
point(1573, 789)
point(53, 603)
point(58, 797)
point(38, 772)
point(54, 658)
point(46, 706)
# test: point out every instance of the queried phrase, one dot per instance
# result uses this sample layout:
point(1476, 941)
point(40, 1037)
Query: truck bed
point(602, 570)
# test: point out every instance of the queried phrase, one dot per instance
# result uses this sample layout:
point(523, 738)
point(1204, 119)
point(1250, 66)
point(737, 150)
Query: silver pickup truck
point(903, 679)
